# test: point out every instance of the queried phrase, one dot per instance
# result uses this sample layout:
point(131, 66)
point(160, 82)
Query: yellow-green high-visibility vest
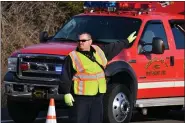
point(90, 77)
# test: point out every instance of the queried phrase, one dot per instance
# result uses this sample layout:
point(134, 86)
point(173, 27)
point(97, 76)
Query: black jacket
point(110, 51)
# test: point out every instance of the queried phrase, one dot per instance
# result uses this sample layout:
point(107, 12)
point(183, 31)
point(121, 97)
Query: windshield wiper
point(66, 39)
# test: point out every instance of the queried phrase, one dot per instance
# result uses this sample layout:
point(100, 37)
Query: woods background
point(22, 22)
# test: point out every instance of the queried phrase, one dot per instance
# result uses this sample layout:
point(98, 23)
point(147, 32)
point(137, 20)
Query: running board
point(159, 102)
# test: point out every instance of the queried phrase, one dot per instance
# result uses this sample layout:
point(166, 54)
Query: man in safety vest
point(83, 71)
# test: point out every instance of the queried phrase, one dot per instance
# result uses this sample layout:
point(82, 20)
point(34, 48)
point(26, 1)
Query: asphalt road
point(171, 117)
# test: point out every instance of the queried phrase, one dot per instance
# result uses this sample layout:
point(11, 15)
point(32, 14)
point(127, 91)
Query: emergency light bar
point(95, 4)
point(117, 6)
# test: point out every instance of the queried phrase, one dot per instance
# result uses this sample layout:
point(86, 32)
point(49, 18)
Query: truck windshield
point(104, 29)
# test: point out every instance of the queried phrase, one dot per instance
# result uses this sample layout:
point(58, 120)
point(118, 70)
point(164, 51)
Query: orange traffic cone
point(51, 116)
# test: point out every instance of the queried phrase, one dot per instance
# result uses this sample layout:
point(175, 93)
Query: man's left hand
point(68, 98)
point(131, 37)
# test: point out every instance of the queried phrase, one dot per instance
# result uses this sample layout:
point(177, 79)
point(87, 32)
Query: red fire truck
point(148, 76)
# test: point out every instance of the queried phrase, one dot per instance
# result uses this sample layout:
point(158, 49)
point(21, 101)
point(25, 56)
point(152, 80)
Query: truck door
point(155, 71)
point(178, 36)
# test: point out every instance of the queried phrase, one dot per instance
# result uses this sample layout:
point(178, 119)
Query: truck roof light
point(134, 6)
point(125, 5)
point(116, 6)
point(99, 6)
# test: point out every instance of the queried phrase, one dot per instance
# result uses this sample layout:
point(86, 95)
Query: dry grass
point(22, 22)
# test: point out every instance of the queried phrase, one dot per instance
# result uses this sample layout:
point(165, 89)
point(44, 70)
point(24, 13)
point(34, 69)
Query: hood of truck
point(50, 48)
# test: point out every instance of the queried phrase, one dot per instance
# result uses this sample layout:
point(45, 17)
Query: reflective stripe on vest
point(84, 76)
point(101, 54)
point(89, 87)
point(81, 87)
point(77, 61)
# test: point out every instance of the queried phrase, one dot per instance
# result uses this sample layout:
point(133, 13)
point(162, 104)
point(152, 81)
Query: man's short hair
point(88, 34)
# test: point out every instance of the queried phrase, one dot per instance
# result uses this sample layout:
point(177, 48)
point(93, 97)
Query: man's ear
point(90, 42)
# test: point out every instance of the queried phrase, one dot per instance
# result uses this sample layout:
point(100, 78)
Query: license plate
point(40, 94)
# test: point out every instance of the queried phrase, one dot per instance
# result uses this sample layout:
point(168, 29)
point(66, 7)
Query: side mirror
point(158, 46)
point(43, 37)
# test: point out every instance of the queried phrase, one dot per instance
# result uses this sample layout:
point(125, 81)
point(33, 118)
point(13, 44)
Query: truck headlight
point(12, 64)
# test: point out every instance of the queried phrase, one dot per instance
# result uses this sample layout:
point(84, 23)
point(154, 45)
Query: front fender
point(122, 66)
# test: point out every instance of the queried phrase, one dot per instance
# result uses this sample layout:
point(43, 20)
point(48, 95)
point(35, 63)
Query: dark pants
point(87, 109)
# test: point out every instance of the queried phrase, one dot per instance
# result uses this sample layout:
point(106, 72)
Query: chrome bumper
point(32, 91)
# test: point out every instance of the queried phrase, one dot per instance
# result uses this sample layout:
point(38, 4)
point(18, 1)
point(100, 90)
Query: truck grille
point(40, 67)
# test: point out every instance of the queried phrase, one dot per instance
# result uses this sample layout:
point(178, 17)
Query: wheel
point(118, 104)
point(22, 112)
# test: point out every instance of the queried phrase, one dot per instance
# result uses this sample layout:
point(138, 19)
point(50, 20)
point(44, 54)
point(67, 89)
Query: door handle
point(172, 61)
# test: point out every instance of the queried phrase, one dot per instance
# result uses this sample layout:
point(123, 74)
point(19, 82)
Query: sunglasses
point(83, 40)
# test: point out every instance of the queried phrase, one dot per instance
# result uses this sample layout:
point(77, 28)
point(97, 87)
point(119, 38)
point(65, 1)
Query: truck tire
point(118, 104)
point(22, 112)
